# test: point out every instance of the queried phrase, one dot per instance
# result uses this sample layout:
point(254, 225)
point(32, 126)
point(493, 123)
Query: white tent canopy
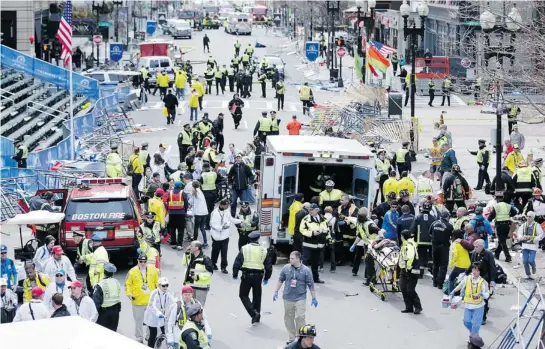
point(77, 333)
point(36, 217)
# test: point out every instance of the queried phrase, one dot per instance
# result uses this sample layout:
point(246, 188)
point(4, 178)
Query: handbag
point(165, 111)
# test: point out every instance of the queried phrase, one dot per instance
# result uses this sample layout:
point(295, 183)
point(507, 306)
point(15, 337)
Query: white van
point(182, 29)
point(152, 63)
point(240, 23)
point(290, 165)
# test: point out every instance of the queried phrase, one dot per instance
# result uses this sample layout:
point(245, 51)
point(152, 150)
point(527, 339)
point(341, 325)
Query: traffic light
point(45, 34)
point(45, 47)
point(340, 43)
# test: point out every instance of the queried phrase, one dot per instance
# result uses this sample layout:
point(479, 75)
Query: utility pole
point(117, 4)
point(98, 9)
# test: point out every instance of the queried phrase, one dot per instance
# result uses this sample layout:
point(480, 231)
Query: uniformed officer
point(107, 298)
point(145, 158)
point(441, 231)
point(231, 77)
point(330, 196)
point(245, 60)
point(263, 81)
point(247, 84)
point(83, 248)
point(218, 74)
point(237, 48)
point(382, 165)
point(305, 95)
point(249, 223)
point(483, 160)
point(514, 112)
point(209, 77)
point(421, 229)
point(502, 212)
point(208, 186)
point(249, 50)
point(256, 266)
point(21, 156)
point(275, 128)
point(402, 158)
point(315, 233)
point(445, 87)
point(193, 334)
point(211, 62)
point(96, 261)
point(145, 79)
point(280, 90)
point(114, 164)
point(185, 140)
point(367, 231)
point(431, 91)
point(263, 127)
point(525, 181)
point(408, 264)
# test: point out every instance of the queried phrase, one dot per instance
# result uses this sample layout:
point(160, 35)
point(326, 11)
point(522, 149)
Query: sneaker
point(179, 248)
point(417, 311)
point(215, 267)
point(205, 245)
point(529, 278)
point(224, 271)
point(406, 311)
point(174, 247)
point(534, 270)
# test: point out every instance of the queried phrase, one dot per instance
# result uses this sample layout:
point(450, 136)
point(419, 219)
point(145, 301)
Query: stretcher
point(385, 254)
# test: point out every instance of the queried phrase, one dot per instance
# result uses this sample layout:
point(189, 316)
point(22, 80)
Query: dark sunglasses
point(59, 275)
point(164, 285)
point(142, 261)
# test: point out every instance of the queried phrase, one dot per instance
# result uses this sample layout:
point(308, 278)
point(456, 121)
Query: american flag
point(384, 50)
point(65, 34)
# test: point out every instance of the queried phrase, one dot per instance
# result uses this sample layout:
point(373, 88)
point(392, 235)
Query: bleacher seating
point(32, 110)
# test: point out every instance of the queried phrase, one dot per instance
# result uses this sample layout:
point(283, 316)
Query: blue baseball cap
point(3, 249)
point(96, 237)
point(177, 184)
point(254, 235)
point(110, 268)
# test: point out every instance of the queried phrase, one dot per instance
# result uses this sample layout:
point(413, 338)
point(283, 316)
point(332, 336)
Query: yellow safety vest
point(254, 256)
point(458, 222)
point(144, 72)
point(408, 254)
point(187, 138)
point(237, 44)
point(473, 296)
point(512, 113)
point(400, 155)
point(250, 50)
point(525, 229)
point(248, 220)
point(204, 128)
point(203, 338)
point(435, 155)
point(230, 72)
point(176, 201)
point(382, 166)
point(274, 125)
point(96, 261)
point(524, 175)
point(363, 232)
point(424, 189)
point(304, 93)
point(245, 58)
point(219, 74)
point(265, 125)
point(446, 83)
point(204, 276)
point(502, 211)
point(280, 88)
point(84, 250)
point(334, 195)
point(25, 151)
point(480, 155)
point(143, 157)
point(209, 180)
point(111, 291)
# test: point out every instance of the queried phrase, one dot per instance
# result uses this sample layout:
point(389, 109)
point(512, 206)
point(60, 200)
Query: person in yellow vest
point(209, 74)
point(211, 151)
point(145, 79)
point(305, 95)
point(225, 25)
point(402, 158)
point(21, 156)
point(323, 47)
point(483, 160)
point(367, 231)
point(255, 263)
point(275, 128)
point(83, 248)
point(408, 86)
point(249, 50)
point(95, 261)
point(410, 273)
point(208, 180)
point(198, 270)
point(474, 290)
point(263, 82)
point(446, 88)
point(146, 247)
point(193, 332)
point(514, 158)
point(330, 196)
point(164, 82)
point(263, 127)
point(140, 282)
point(405, 183)
point(245, 60)
point(231, 76)
point(435, 158)
point(525, 182)
point(33, 279)
point(199, 88)
point(114, 164)
point(424, 187)
point(157, 206)
point(185, 140)
point(295, 207)
point(237, 48)
point(218, 75)
point(280, 91)
point(107, 298)
point(531, 234)
point(136, 169)
point(536, 169)
point(382, 165)
point(514, 112)
point(390, 185)
point(150, 228)
point(180, 81)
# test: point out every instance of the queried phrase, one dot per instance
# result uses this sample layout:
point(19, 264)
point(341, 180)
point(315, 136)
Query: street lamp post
point(413, 33)
point(117, 4)
point(99, 9)
point(368, 24)
point(510, 25)
point(332, 11)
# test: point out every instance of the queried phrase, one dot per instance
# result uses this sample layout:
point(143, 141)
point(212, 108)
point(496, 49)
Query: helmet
point(404, 193)
point(456, 168)
point(537, 191)
point(427, 206)
point(330, 183)
point(307, 331)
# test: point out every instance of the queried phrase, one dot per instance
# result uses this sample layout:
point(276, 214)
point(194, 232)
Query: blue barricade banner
point(150, 27)
point(49, 72)
point(116, 51)
point(7, 150)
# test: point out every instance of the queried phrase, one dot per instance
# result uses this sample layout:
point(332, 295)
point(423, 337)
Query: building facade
point(18, 24)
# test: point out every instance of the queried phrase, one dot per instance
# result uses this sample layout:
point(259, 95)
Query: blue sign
point(49, 72)
point(116, 51)
point(312, 50)
point(150, 27)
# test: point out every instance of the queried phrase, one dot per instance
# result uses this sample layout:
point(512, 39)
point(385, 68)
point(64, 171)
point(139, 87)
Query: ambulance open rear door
point(287, 188)
point(360, 186)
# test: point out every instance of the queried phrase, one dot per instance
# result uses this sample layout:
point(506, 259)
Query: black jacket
point(507, 180)
point(422, 221)
point(404, 223)
point(170, 101)
point(240, 175)
point(205, 40)
point(401, 203)
point(206, 261)
point(487, 265)
point(217, 126)
point(447, 186)
point(298, 218)
point(297, 345)
point(441, 232)
point(60, 312)
point(239, 261)
point(380, 211)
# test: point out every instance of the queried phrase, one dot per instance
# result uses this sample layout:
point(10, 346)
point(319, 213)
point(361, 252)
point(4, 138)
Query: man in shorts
point(435, 158)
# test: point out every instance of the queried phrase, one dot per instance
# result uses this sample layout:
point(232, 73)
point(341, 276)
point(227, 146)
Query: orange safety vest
point(176, 201)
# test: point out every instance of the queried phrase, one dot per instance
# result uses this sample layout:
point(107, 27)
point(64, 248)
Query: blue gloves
point(341, 222)
point(265, 282)
point(209, 337)
point(171, 344)
point(352, 248)
point(314, 302)
point(161, 316)
point(235, 277)
point(275, 297)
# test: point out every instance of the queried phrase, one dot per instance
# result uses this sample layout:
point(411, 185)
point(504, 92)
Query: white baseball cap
point(163, 281)
point(3, 282)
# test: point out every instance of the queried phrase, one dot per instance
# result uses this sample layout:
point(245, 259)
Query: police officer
point(247, 83)
point(315, 234)
point(107, 298)
point(114, 164)
point(382, 165)
point(145, 158)
point(275, 129)
point(231, 77)
point(305, 95)
point(208, 186)
point(145, 79)
point(445, 87)
point(211, 61)
point(249, 223)
point(502, 212)
point(235, 62)
point(263, 127)
point(408, 264)
point(421, 229)
point(483, 160)
point(95, 261)
point(193, 335)
point(525, 181)
point(256, 266)
point(21, 156)
point(218, 74)
point(263, 81)
point(209, 74)
point(199, 269)
point(83, 248)
point(249, 50)
point(280, 90)
point(402, 158)
point(163, 81)
point(431, 90)
point(43, 202)
point(366, 231)
point(245, 60)
point(237, 48)
point(185, 140)
point(441, 231)
point(395, 62)
point(330, 196)
point(514, 112)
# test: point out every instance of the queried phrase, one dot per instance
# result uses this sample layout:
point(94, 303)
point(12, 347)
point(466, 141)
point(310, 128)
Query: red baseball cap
point(159, 192)
point(76, 283)
point(57, 250)
point(37, 291)
point(187, 289)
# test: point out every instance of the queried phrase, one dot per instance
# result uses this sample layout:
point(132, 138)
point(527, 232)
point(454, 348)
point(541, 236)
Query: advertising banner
point(116, 51)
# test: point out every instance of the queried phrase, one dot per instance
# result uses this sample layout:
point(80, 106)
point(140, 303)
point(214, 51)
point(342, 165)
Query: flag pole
point(72, 137)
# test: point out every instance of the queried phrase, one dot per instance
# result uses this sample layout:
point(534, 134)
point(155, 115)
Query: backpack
point(480, 228)
point(457, 189)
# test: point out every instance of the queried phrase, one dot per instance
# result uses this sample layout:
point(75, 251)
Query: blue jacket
point(9, 271)
point(487, 228)
point(390, 225)
point(449, 159)
point(186, 202)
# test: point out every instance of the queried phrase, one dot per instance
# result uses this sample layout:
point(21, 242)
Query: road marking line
point(269, 105)
point(293, 107)
point(204, 104)
point(179, 122)
point(247, 104)
point(157, 105)
point(459, 100)
point(245, 124)
point(224, 104)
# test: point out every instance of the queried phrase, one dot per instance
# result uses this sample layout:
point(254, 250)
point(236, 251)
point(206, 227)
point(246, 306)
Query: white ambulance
point(292, 164)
